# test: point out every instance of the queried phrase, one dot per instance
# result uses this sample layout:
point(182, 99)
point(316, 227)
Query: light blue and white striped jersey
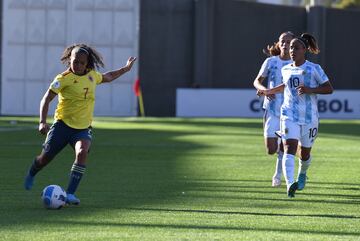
point(301, 109)
point(271, 69)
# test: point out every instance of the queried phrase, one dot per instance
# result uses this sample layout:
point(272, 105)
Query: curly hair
point(95, 60)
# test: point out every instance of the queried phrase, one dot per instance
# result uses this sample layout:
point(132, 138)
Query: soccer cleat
point(29, 181)
point(276, 182)
point(72, 199)
point(301, 181)
point(292, 189)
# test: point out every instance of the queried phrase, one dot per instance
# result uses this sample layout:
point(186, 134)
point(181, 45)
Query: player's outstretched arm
point(44, 108)
point(112, 75)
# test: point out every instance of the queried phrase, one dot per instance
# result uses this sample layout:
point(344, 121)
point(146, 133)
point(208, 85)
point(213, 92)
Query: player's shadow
point(208, 226)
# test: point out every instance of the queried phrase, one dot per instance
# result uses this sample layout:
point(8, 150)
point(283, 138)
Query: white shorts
point(271, 124)
point(305, 134)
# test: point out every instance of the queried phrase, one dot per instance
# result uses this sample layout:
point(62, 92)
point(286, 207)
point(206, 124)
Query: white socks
point(278, 168)
point(304, 165)
point(288, 165)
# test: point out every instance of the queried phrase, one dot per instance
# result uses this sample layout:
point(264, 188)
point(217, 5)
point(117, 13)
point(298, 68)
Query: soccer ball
point(53, 197)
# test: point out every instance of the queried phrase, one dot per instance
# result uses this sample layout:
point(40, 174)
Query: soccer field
point(181, 179)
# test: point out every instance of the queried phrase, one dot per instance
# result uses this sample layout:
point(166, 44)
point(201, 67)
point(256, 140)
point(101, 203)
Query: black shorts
point(60, 135)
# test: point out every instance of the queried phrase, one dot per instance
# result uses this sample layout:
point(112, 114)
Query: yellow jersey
point(76, 97)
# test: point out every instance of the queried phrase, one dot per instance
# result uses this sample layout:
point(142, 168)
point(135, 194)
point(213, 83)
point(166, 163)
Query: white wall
point(35, 33)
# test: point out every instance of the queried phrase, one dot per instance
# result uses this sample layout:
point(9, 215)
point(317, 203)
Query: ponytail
point(309, 42)
point(273, 50)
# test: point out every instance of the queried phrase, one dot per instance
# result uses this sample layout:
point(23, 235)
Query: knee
point(271, 151)
point(304, 153)
point(271, 148)
point(81, 154)
point(290, 149)
point(304, 156)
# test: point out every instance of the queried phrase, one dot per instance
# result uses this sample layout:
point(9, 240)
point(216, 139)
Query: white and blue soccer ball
point(53, 197)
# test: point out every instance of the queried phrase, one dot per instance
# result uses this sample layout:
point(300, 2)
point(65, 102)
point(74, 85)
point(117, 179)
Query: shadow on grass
point(243, 213)
point(333, 127)
point(242, 195)
point(271, 190)
point(207, 227)
point(347, 128)
point(127, 167)
point(203, 122)
point(239, 189)
point(230, 181)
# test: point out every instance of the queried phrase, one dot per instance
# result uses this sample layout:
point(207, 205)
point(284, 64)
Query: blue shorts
point(60, 135)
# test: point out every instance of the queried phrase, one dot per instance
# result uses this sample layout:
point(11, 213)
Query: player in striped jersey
point(75, 89)
point(302, 81)
point(271, 72)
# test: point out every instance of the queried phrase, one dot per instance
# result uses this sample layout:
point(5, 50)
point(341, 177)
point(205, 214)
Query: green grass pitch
point(181, 179)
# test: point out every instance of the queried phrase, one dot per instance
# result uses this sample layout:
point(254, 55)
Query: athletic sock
point(278, 168)
point(304, 165)
point(34, 168)
point(76, 174)
point(288, 168)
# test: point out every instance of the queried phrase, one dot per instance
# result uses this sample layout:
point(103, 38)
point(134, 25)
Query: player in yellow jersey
point(75, 89)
